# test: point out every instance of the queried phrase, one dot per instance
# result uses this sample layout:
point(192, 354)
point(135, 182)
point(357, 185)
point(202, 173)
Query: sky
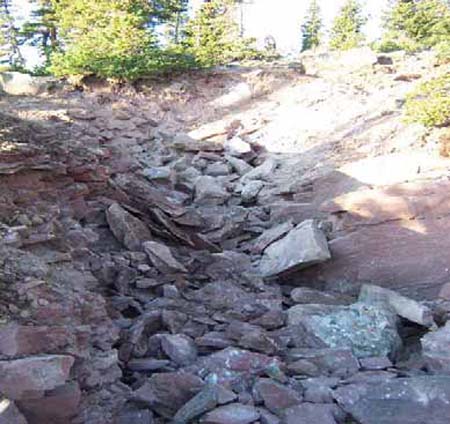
point(280, 18)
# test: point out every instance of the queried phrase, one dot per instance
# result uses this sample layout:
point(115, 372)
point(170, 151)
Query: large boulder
point(365, 329)
point(303, 246)
point(414, 400)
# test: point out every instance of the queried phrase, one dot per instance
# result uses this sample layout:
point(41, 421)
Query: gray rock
point(319, 390)
point(234, 413)
point(267, 417)
point(217, 169)
point(129, 230)
point(21, 378)
point(157, 173)
point(141, 416)
point(147, 364)
point(367, 330)
point(179, 348)
point(375, 363)
point(436, 349)
point(305, 295)
point(414, 400)
point(203, 402)
point(403, 306)
point(230, 364)
point(270, 236)
point(237, 147)
point(9, 413)
point(303, 246)
point(262, 172)
point(162, 258)
point(309, 413)
point(251, 190)
point(323, 362)
point(276, 397)
point(188, 177)
point(210, 191)
point(239, 165)
point(166, 393)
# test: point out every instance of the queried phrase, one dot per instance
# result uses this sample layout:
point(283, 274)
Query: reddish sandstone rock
point(56, 407)
point(29, 377)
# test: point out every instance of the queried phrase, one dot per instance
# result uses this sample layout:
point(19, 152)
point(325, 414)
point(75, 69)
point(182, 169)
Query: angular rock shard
point(403, 306)
point(303, 246)
point(129, 230)
point(162, 258)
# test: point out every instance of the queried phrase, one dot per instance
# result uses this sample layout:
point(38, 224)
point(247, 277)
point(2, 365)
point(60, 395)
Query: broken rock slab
point(162, 258)
point(414, 400)
point(21, 378)
point(436, 350)
point(403, 306)
point(129, 230)
point(303, 246)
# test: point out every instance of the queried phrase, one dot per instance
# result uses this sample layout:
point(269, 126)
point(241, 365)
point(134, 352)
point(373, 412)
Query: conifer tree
point(10, 54)
point(424, 23)
point(213, 35)
point(346, 32)
point(41, 30)
point(312, 27)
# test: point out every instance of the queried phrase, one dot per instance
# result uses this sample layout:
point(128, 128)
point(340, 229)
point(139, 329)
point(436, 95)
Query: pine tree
point(41, 30)
point(423, 23)
point(10, 54)
point(213, 35)
point(312, 27)
point(346, 32)
point(108, 38)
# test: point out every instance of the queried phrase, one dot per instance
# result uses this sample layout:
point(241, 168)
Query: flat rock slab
point(415, 400)
point(20, 378)
point(303, 246)
point(234, 413)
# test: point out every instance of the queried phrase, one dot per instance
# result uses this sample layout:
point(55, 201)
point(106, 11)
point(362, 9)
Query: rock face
point(303, 246)
point(128, 229)
point(406, 400)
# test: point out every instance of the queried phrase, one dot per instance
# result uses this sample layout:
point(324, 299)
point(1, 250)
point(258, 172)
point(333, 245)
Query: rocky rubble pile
point(149, 277)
